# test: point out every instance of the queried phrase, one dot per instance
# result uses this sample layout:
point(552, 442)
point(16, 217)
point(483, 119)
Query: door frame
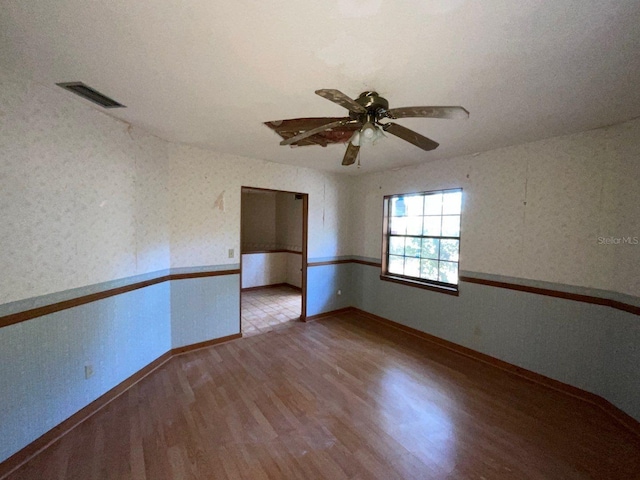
point(305, 235)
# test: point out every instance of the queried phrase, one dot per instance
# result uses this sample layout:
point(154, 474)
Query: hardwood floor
point(340, 398)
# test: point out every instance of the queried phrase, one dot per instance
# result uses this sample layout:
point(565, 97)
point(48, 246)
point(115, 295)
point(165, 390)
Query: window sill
point(425, 286)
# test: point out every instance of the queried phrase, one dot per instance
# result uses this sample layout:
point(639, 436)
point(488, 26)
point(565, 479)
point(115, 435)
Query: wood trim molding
point(212, 273)
point(93, 297)
point(208, 343)
point(338, 262)
point(34, 448)
point(424, 286)
point(332, 313)
point(626, 420)
point(364, 262)
point(328, 262)
point(607, 302)
point(280, 250)
point(262, 287)
point(555, 293)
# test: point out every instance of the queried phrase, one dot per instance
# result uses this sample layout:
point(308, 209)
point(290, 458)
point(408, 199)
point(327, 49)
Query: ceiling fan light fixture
point(370, 134)
point(355, 139)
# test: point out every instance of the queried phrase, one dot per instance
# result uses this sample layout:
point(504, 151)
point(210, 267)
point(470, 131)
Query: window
point(421, 243)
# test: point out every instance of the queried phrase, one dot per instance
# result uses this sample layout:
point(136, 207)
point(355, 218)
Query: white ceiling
point(209, 72)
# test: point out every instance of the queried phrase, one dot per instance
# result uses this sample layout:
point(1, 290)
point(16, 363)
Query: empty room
point(351, 239)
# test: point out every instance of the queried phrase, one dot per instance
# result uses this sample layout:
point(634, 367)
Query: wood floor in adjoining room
point(339, 398)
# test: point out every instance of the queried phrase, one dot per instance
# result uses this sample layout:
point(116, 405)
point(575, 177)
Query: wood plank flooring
point(341, 398)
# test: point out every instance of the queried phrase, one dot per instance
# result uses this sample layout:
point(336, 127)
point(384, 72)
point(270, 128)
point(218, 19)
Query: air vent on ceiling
point(90, 94)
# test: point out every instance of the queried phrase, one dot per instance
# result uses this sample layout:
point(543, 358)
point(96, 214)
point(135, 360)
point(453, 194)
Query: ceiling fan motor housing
point(373, 103)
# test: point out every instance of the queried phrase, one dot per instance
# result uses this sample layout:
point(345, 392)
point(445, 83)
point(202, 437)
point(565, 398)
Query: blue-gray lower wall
point(323, 283)
point(42, 361)
point(204, 308)
point(592, 347)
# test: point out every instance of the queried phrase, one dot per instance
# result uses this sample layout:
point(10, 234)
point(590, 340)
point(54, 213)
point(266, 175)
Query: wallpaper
point(205, 204)
point(83, 196)
point(563, 210)
point(259, 226)
point(271, 221)
point(86, 199)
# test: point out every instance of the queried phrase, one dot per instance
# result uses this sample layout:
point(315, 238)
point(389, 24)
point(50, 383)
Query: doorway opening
point(273, 260)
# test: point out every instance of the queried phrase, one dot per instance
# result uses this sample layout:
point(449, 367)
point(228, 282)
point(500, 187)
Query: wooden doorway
point(273, 258)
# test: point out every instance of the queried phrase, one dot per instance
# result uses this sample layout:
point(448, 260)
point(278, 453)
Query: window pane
point(412, 267)
point(424, 235)
point(396, 264)
point(430, 248)
point(414, 205)
point(452, 203)
point(451, 226)
point(449, 250)
point(412, 248)
point(429, 269)
point(398, 207)
point(432, 226)
point(449, 272)
point(398, 225)
point(433, 204)
point(396, 245)
point(414, 225)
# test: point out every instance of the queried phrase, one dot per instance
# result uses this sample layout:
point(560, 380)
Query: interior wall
point(271, 221)
point(293, 274)
point(288, 222)
point(544, 214)
point(84, 208)
point(83, 196)
point(260, 269)
point(536, 211)
point(205, 206)
point(259, 221)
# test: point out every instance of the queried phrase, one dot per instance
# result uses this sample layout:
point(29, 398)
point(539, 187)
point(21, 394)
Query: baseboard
point(332, 313)
point(623, 418)
point(34, 448)
point(208, 343)
point(262, 287)
point(22, 456)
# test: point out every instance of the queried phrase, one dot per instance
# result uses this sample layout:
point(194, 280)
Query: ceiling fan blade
point(428, 112)
point(336, 96)
point(410, 136)
point(313, 131)
point(351, 154)
point(300, 124)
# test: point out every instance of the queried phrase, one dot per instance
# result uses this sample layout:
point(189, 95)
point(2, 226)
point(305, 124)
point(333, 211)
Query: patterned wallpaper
point(83, 196)
point(271, 220)
point(205, 204)
point(542, 211)
point(86, 199)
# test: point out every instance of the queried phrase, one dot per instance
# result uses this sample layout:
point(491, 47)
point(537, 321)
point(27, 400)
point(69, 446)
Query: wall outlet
point(231, 253)
point(339, 292)
point(88, 371)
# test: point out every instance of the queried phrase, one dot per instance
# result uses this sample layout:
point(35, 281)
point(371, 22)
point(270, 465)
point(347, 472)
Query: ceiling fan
point(362, 126)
